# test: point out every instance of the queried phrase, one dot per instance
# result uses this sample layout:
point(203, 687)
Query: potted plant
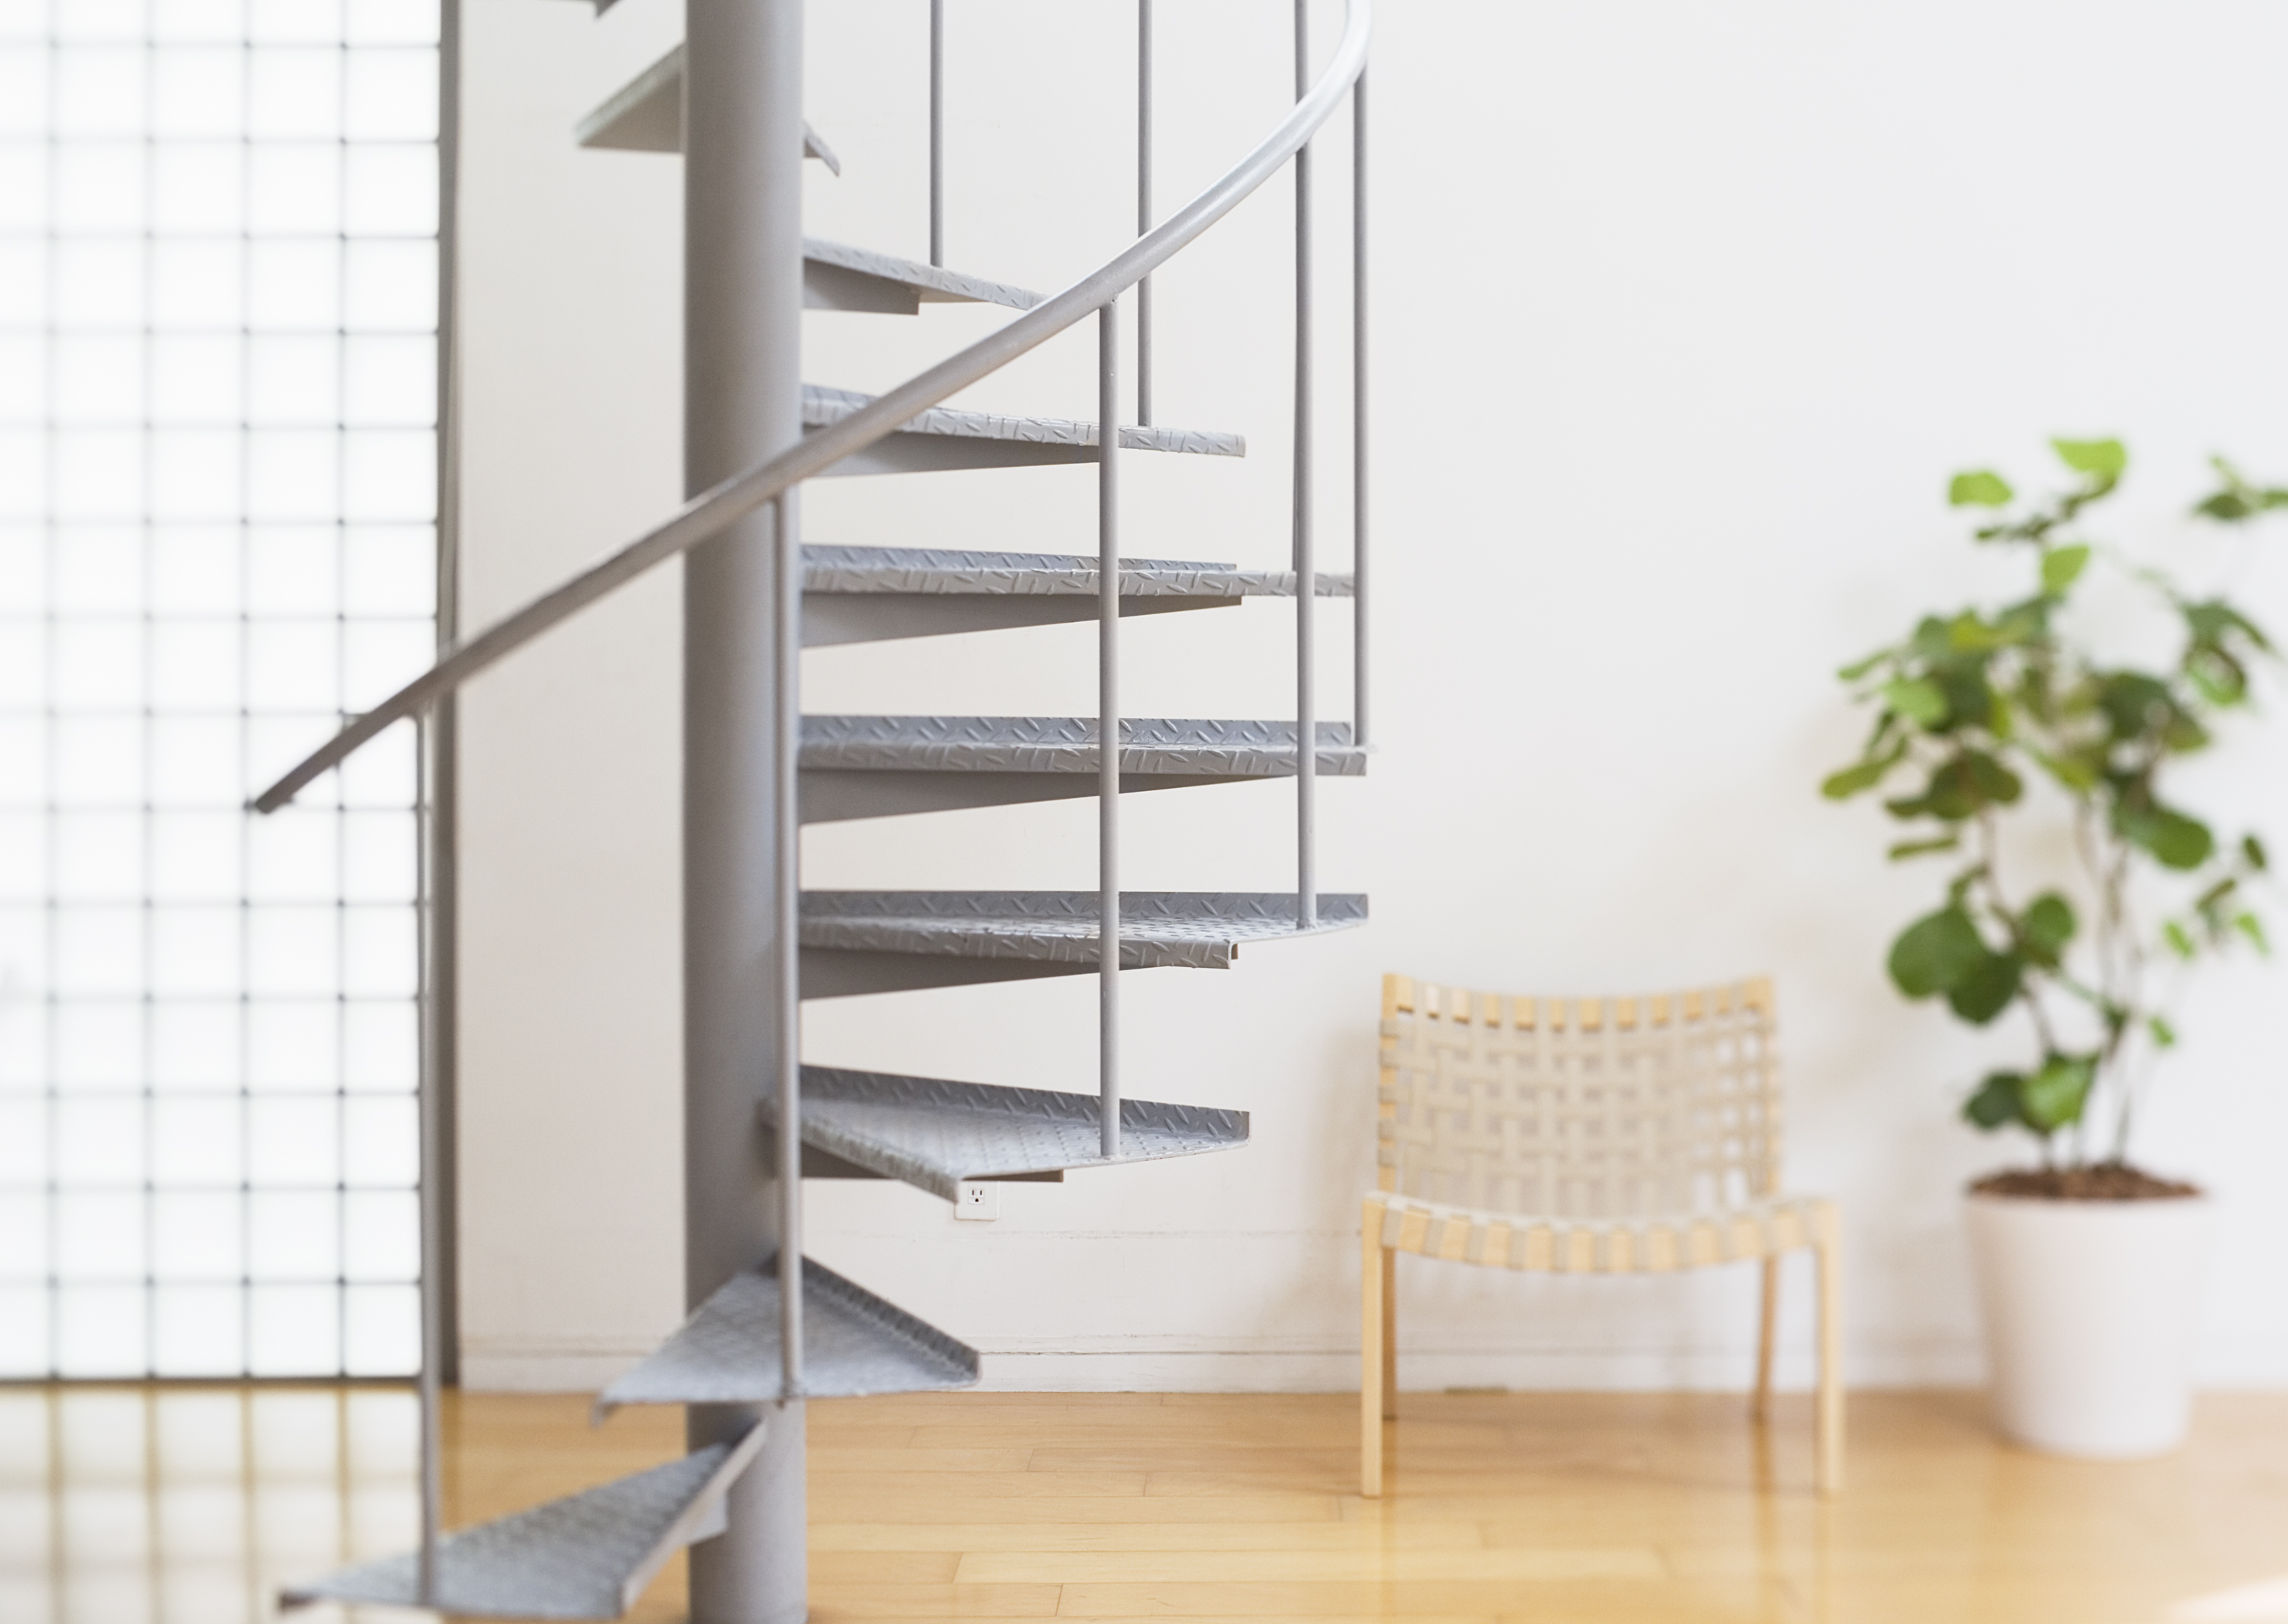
point(2080, 896)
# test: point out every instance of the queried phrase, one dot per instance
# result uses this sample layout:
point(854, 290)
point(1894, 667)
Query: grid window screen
point(218, 493)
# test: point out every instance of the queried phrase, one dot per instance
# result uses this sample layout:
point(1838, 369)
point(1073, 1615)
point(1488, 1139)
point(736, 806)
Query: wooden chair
point(1592, 1136)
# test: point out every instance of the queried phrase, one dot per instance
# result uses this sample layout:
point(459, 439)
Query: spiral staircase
point(769, 1328)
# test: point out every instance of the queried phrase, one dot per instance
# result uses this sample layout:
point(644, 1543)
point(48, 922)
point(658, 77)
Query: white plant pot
point(2091, 1311)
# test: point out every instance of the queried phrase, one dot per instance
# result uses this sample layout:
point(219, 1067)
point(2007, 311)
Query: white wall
point(1684, 314)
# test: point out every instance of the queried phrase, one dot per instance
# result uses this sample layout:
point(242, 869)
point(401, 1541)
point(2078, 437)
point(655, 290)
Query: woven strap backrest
point(1581, 1107)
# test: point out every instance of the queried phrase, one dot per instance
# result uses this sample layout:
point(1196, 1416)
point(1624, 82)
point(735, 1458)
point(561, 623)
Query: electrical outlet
point(977, 1203)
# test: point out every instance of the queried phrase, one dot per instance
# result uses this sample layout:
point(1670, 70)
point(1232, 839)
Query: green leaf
point(1918, 848)
point(1842, 786)
point(2174, 840)
point(2061, 566)
point(1979, 488)
point(1996, 1103)
point(2101, 459)
point(1860, 667)
point(2053, 1096)
point(2164, 1036)
point(1918, 699)
point(1992, 780)
point(1936, 952)
point(1983, 993)
point(2179, 942)
point(2252, 850)
point(2047, 925)
point(2252, 928)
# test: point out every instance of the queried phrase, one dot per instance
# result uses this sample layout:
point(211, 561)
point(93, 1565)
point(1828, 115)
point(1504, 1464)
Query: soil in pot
point(2103, 1181)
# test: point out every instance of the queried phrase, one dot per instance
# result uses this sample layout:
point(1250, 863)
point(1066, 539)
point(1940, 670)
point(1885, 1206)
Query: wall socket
point(977, 1203)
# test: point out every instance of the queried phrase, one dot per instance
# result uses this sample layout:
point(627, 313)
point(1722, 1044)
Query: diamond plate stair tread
point(853, 1343)
point(823, 406)
point(1185, 930)
point(646, 114)
point(1068, 744)
point(935, 282)
point(934, 1133)
point(584, 1556)
point(935, 570)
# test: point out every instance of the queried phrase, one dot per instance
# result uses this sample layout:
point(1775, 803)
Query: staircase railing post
point(1307, 579)
point(786, 903)
point(1108, 724)
point(1358, 416)
point(431, 1132)
point(937, 133)
point(1143, 208)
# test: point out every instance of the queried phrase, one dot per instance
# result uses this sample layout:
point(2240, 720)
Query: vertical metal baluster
point(1358, 414)
point(937, 132)
point(787, 881)
point(1108, 723)
point(1143, 207)
point(432, 1130)
point(1307, 579)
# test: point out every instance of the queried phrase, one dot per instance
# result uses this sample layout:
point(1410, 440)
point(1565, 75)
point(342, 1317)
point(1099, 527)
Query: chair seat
point(1652, 1243)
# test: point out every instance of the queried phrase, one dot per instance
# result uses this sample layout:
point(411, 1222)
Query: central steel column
point(742, 304)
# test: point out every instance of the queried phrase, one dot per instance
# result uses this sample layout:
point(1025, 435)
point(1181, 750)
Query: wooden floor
point(1542, 1507)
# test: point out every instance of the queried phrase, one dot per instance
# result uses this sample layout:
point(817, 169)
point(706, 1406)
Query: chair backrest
point(1580, 1107)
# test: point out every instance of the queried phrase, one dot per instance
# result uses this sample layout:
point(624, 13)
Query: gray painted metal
point(742, 269)
point(1107, 726)
point(1143, 205)
point(731, 499)
point(937, 132)
point(1360, 528)
point(853, 1345)
point(646, 115)
point(886, 766)
point(861, 941)
point(1306, 618)
point(587, 1555)
point(943, 437)
point(836, 276)
point(934, 1134)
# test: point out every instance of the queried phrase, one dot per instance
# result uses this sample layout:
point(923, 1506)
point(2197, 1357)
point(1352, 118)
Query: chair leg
point(1389, 1333)
point(1374, 1316)
point(1767, 1322)
point(1829, 1252)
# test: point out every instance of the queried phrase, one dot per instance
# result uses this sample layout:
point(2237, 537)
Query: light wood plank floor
point(1542, 1507)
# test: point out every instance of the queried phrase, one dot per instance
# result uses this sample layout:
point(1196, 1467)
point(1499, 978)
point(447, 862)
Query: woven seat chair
point(1591, 1136)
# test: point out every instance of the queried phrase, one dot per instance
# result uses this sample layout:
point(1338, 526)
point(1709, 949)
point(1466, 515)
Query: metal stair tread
point(933, 1133)
point(585, 1555)
point(844, 570)
point(934, 283)
point(822, 406)
point(1185, 930)
point(853, 1343)
point(1068, 744)
point(646, 114)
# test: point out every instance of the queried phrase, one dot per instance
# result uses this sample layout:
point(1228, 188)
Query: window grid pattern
point(217, 454)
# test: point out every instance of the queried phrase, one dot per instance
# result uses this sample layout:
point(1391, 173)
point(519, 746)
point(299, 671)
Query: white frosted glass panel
point(293, 1140)
point(196, 474)
point(390, 382)
point(195, 857)
point(99, 379)
point(100, 283)
point(389, 474)
point(379, 853)
point(24, 282)
point(195, 569)
point(97, 665)
point(23, 473)
point(23, 854)
point(99, 857)
point(195, 1046)
point(380, 656)
point(198, 189)
point(391, 570)
point(100, 1235)
point(294, 665)
point(392, 96)
point(200, 379)
point(294, 190)
point(294, 856)
point(391, 191)
point(97, 1045)
point(200, 1331)
point(295, 1328)
point(24, 80)
point(24, 1330)
point(98, 761)
point(98, 474)
point(23, 569)
point(100, 91)
point(295, 571)
point(293, 953)
point(23, 1235)
point(198, 1144)
point(198, 93)
point(380, 1046)
point(293, 1236)
point(23, 671)
point(293, 22)
point(198, 286)
point(196, 666)
point(294, 285)
point(23, 377)
point(381, 1235)
point(294, 1047)
point(382, 1328)
point(195, 763)
point(194, 951)
point(23, 186)
point(99, 1331)
point(293, 474)
point(99, 187)
point(98, 571)
point(390, 286)
point(383, 775)
point(381, 1143)
point(379, 953)
point(198, 1235)
point(294, 94)
point(99, 1141)
point(24, 1139)
point(99, 952)
point(294, 381)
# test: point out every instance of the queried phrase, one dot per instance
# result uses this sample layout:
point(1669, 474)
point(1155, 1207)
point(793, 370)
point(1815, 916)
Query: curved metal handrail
point(722, 505)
